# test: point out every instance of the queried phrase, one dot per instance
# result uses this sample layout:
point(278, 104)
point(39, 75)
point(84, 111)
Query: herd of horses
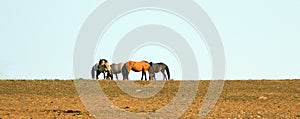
point(104, 67)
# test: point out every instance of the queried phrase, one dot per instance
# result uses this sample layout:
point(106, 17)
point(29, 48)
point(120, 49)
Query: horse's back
point(138, 66)
point(120, 65)
point(117, 68)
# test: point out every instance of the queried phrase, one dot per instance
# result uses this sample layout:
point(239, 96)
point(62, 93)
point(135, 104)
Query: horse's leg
point(126, 77)
point(128, 70)
point(97, 74)
point(151, 76)
point(117, 76)
point(163, 72)
point(142, 75)
point(111, 76)
point(104, 75)
point(125, 73)
point(144, 71)
point(145, 76)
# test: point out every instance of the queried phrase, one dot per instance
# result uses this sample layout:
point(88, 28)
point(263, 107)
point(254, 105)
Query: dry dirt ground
point(239, 99)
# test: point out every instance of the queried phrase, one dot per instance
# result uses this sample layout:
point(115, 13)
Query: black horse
point(161, 67)
point(102, 67)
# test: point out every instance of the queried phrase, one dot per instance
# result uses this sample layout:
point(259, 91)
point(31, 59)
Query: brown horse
point(142, 66)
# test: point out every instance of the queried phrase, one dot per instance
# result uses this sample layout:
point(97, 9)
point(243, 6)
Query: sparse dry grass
point(239, 99)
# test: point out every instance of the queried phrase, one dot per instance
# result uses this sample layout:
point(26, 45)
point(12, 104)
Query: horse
point(102, 67)
point(116, 68)
point(97, 70)
point(142, 66)
point(161, 67)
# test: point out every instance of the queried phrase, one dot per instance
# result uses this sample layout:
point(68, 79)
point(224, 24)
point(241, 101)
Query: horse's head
point(107, 66)
point(109, 70)
point(102, 61)
point(150, 63)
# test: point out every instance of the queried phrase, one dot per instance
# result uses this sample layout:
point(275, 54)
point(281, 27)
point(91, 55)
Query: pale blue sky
point(261, 38)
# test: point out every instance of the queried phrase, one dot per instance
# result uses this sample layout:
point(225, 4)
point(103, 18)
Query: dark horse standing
point(142, 66)
point(161, 67)
point(102, 67)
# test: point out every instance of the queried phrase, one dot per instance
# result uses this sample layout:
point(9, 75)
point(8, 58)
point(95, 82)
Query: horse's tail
point(168, 71)
point(93, 72)
point(124, 71)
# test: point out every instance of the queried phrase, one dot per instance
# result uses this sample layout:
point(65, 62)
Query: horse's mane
point(145, 61)
point(161, 63)
point(103, 60)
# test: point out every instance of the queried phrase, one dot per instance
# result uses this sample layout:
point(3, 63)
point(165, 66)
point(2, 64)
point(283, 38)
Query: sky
point(260, 38)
